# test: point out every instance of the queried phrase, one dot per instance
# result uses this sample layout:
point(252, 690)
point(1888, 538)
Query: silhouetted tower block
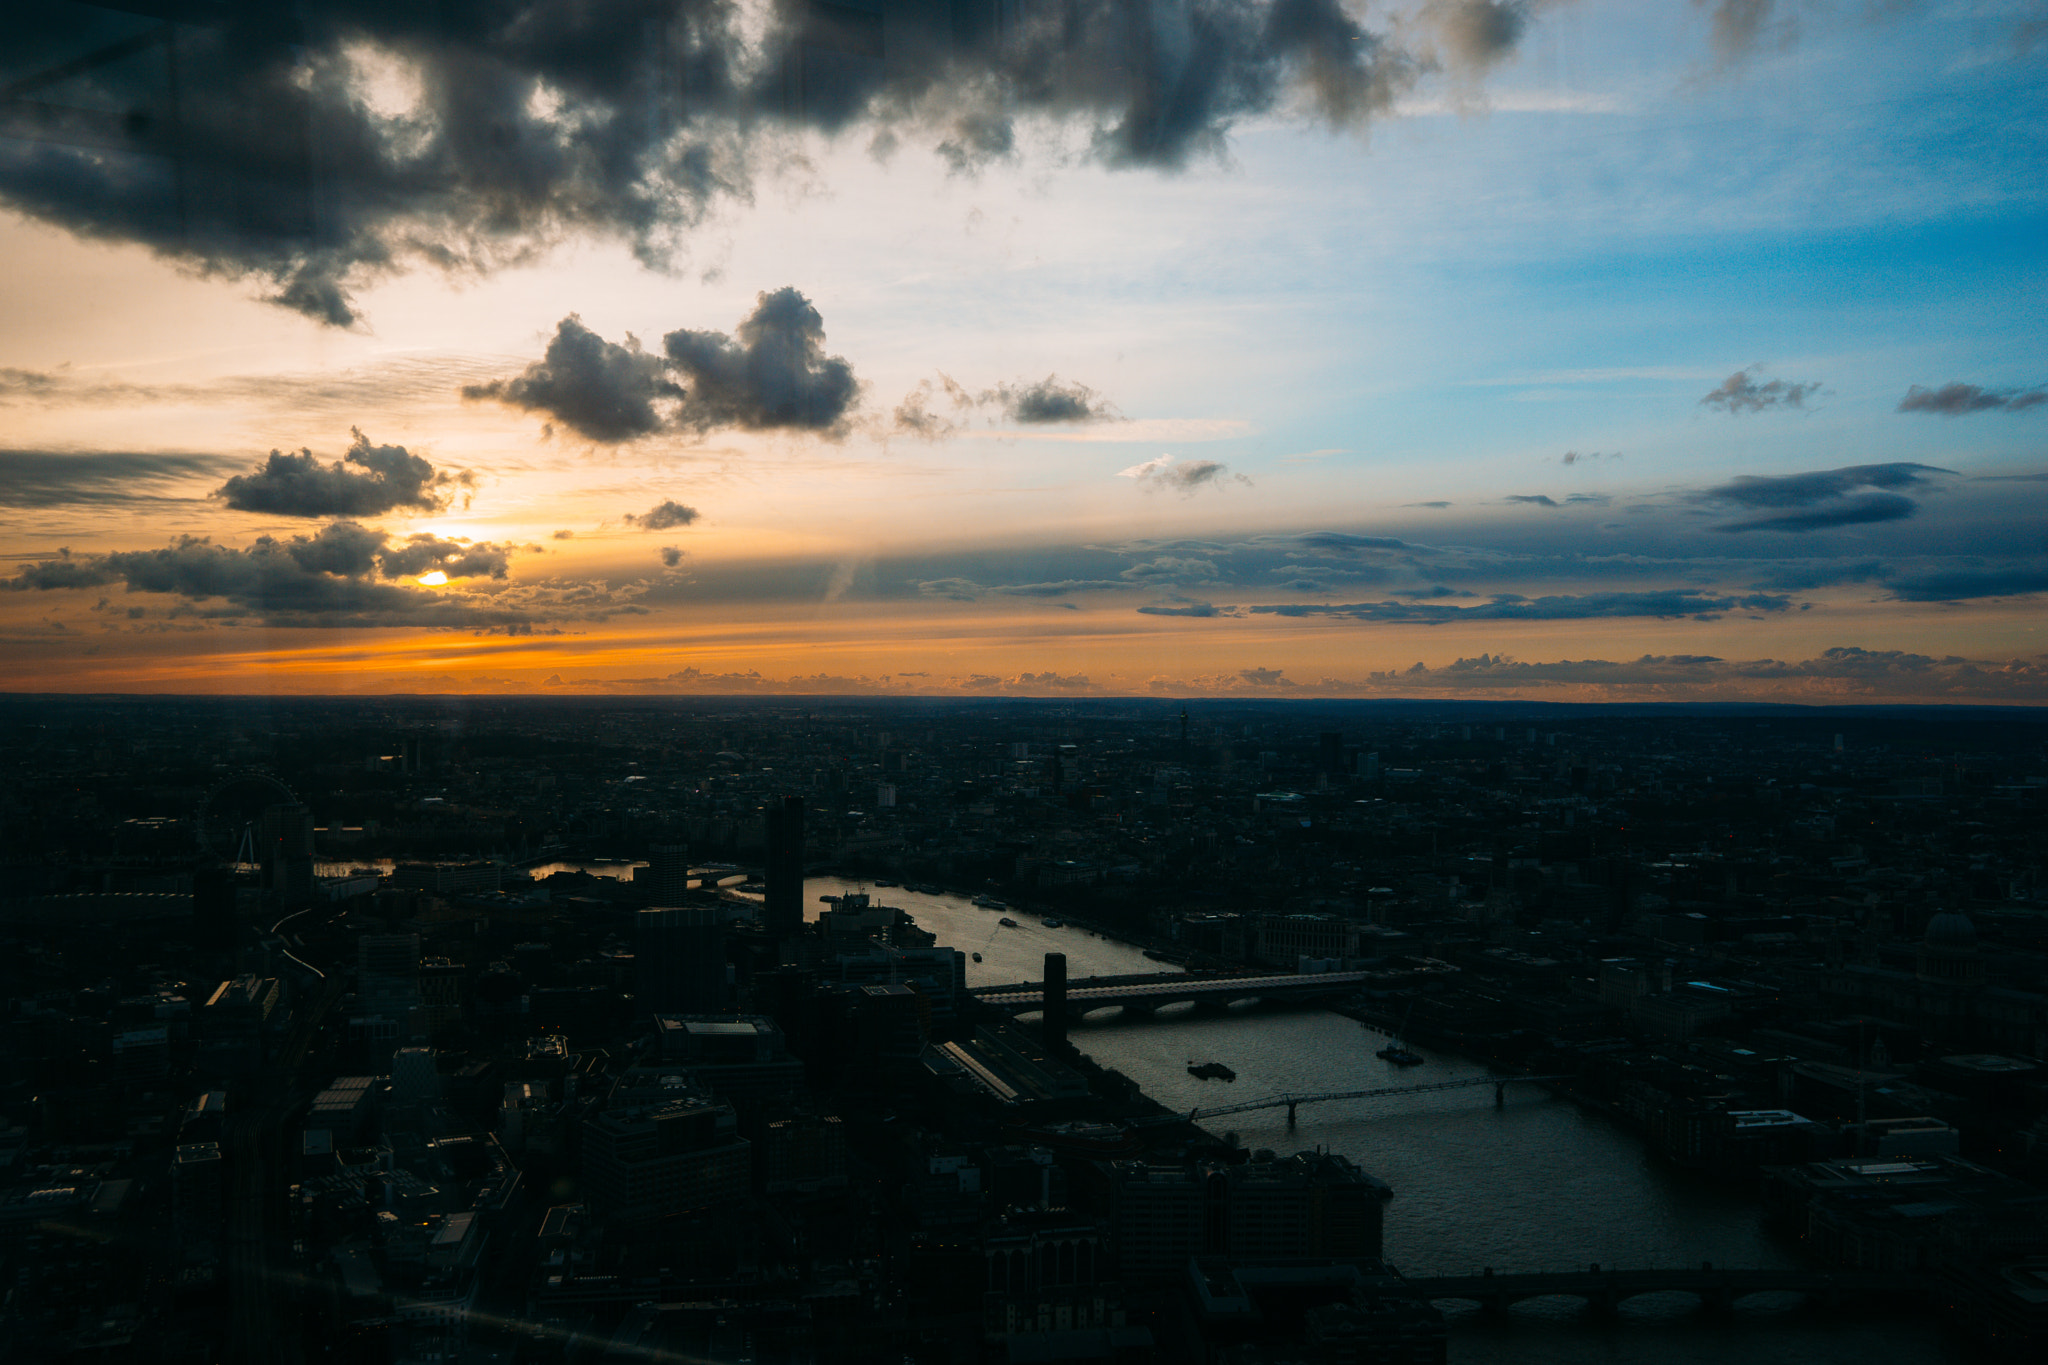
point(287, 852)
point(1054, 1028)
point(667, 873)
point(679, 960)
point(783, 907)
point(221, 904)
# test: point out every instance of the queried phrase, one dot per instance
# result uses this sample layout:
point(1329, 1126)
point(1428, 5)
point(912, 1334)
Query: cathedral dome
point(1952, 930)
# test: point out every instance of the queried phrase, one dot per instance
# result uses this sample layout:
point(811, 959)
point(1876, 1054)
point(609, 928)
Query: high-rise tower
point(783, 908)
point(1054, 1027)
point(286, 853)
point(679, 960)
point(667, 874)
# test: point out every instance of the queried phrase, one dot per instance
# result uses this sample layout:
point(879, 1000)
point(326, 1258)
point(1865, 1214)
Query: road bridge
point(1716, 1289)
point(1146, 994)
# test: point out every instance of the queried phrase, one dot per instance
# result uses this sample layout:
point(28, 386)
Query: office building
point(643, 1161)
point(783, 907)
point(287, 853)
point(679, 960)
point(667, 874)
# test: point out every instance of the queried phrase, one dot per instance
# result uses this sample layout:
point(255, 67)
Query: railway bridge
point(1145, 994)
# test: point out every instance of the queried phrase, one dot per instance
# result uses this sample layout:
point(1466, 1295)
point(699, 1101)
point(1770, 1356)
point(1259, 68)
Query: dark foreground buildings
point(434, 1073)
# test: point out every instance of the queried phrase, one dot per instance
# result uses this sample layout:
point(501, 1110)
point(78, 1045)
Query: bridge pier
point(1500, 1094)
point(1716, 1299)
point(1290, 1113)
point(1492, 1305)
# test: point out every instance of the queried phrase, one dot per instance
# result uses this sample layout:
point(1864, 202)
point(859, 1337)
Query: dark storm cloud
point(667, 514)
point(1807, 490)
point(65, 571)
point(671, 555)
point(392, 479)
point(1860, 510)
point(1851, 496)
point(1958, 400)
point(1048, 401)
point(596, 388)
point(54, 478)
point(1742, 392)
point(1195, 609)
point(1669, 604)
point(1957, 585)
point(319, 146)
point(329, 578)
point(1534, 499)
point(771, 373)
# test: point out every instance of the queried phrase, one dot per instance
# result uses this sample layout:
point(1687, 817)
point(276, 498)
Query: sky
point(1572, 350)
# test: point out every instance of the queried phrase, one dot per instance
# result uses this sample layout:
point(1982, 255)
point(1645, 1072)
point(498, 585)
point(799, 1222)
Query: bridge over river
point(1146, 993)
point(1716, 1289)
point(1291, 1101)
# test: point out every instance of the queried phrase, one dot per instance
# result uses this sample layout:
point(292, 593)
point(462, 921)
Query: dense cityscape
point(567, 1030)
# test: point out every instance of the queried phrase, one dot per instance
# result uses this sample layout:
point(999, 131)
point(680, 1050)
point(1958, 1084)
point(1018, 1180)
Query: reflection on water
point(622, 869)
point(609, 867)
point(1536, 1184)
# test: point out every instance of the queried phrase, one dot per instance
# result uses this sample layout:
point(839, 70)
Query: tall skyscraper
point(679, 960)
point(388, 980)
point(1054, 1029)
point(784, 904)
point(667, 873)
point(286, 853)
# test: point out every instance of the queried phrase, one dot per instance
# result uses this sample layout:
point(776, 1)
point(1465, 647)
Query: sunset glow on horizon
point(1576, 352)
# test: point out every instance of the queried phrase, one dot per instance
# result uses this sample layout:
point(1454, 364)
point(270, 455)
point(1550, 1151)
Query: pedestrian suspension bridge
point(1290, 1102)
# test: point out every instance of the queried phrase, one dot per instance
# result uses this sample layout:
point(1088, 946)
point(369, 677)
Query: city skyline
point(1566, 352)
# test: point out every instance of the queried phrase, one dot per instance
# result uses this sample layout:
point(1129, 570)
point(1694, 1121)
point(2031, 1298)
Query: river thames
point(1538, 1184)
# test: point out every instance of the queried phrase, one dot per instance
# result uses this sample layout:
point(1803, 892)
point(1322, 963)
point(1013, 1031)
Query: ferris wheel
point(229, 825)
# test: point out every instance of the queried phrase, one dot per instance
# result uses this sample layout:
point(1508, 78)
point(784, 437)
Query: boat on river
point(1396, 1051)
point(1212, 1071)
point(1007, 922)
point(1055, 923)
point(977, 957)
